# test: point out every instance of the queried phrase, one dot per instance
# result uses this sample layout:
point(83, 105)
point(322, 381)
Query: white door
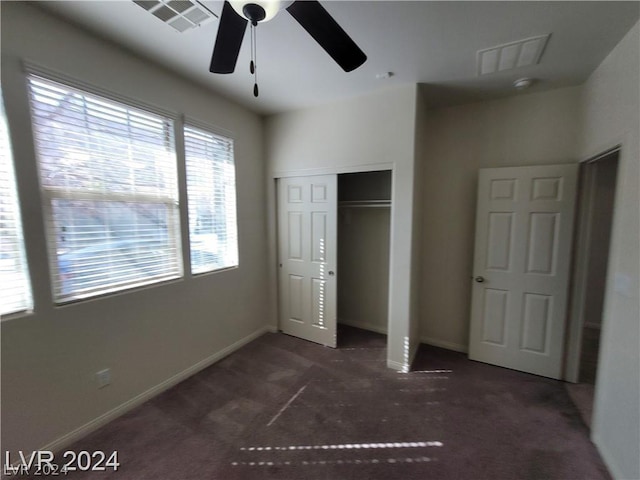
point(524, 227)
point(307, 254)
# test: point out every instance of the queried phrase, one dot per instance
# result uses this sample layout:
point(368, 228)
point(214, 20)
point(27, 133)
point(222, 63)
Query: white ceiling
point(430, 43)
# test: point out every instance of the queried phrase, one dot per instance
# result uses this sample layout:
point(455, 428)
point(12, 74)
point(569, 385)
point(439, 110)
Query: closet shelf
point(365, 204)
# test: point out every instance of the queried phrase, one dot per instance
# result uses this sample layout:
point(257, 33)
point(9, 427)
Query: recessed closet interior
point(599, 178)
point(364, 216)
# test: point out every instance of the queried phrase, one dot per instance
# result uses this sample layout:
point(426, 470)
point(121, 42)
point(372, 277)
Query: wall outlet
point(103, 377)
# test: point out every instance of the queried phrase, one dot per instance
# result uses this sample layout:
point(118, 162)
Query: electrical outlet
point(103, 377)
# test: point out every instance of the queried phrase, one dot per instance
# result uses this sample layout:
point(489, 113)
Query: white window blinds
point(15, 293)
point(109, 184)
point(211, 192)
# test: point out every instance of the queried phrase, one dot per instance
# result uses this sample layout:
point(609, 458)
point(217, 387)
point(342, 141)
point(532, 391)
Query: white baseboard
point(93, 425)
point(401, 366)
point(457, 347)
point(395, 365)
point(365, 326)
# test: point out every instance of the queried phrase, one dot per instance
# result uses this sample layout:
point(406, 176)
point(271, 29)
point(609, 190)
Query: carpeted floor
point(581, 394)
point(284, 408)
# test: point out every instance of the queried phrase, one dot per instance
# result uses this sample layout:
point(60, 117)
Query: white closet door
point(307, 243)
point(524, 227)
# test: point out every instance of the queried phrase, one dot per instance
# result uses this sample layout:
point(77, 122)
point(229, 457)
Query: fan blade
point(325, 30)
point(228, 41)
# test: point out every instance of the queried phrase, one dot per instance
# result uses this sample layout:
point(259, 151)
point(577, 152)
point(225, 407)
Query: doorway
point(596, 205)
point(364, 226)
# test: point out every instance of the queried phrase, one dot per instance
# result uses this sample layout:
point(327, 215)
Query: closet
point(364, 216)
point(598, 179)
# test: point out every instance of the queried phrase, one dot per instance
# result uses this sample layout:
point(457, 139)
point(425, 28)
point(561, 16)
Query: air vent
point(511, 55)
point(180, 14)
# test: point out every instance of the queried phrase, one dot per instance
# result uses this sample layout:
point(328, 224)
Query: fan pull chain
point(253, 64)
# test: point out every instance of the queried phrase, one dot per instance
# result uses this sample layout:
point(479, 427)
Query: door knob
point(479, 279)
point(331, 274)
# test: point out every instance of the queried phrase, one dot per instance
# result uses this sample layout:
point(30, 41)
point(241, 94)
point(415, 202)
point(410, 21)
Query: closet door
point(307, 244)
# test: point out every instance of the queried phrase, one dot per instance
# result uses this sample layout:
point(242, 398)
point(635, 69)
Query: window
point(15, 294)
point(109, 185)
point(211, 191)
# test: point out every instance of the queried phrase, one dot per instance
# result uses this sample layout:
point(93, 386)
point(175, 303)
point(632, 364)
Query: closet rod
point(365, 204)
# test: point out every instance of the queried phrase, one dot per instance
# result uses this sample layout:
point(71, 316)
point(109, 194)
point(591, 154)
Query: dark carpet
point(284, 408)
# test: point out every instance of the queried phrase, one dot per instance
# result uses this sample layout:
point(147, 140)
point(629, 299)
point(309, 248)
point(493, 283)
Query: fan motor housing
point(254, 13)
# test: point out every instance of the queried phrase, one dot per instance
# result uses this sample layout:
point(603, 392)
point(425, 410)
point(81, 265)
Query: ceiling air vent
point(511, 55)
point(180, 14)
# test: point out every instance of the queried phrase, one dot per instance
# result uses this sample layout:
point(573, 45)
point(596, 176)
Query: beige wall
point(420, 147)
point(363, 263)
point(146, 336)
point(365, 133)
point(529, 129)
point(611, 110)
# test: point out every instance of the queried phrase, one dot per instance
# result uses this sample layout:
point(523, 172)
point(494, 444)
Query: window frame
point(49, 194)
point(224, 136)
point(27, 306)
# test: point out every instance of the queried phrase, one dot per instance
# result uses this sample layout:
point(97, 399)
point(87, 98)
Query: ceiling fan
point(308, 13)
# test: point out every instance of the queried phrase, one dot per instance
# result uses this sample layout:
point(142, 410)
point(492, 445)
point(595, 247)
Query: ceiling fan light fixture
point(311, 16)
point(270, 8)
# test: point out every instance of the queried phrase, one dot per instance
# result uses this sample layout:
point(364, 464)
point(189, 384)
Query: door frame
point(581, 250)
point(272, 218)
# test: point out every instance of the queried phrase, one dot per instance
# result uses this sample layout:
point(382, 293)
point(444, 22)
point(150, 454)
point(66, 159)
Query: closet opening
point(597, 189)
point(364, 219)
